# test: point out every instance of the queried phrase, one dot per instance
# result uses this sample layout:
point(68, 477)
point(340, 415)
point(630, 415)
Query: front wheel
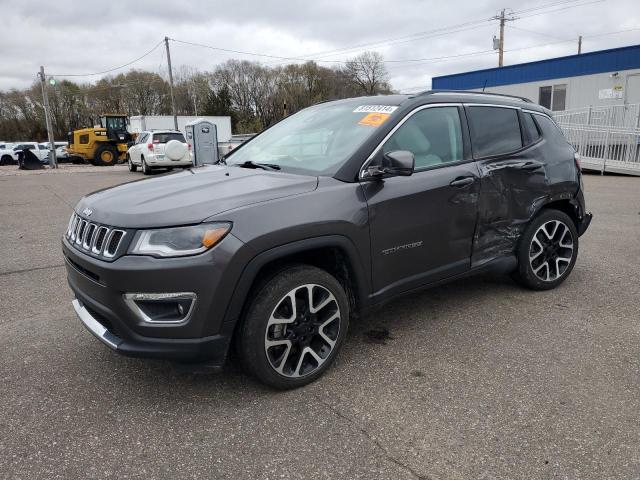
point(106, 155)
point(294, 327)
point(132, 166)
point(547, 251)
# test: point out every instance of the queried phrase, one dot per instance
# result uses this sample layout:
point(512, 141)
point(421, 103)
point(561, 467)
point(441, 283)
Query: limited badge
point(374, 119)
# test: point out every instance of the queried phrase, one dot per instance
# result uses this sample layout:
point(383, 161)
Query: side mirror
point(399, 163)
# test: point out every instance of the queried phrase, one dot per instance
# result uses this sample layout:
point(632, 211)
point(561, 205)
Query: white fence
point(623, 116)
point(607, 138)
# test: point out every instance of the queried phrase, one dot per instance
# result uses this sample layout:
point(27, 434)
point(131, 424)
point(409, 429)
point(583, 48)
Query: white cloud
point(77, 37)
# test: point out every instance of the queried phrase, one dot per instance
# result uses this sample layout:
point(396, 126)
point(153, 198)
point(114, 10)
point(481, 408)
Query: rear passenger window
point(166, 137)
point(531, 128)
point(494, 130)
point(433, 135)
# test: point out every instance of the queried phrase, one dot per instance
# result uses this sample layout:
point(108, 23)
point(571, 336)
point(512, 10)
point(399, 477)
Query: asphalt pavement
point(478, 379)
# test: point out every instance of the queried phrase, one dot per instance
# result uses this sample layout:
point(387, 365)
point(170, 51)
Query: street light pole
point(173, 102)
point(53, 161)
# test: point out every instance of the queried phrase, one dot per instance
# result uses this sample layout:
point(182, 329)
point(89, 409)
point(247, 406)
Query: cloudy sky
point(73, 37)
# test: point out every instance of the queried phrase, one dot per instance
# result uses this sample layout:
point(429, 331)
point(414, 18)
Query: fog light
point(161, 308)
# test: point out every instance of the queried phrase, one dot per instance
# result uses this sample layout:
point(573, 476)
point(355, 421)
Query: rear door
point(160, 140)
point(514, 179)
point(422, 226)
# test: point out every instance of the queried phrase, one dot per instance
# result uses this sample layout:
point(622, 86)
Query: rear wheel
point(132, 167)
point(294, 327)
point(106, 155)
point(547, 251)
point(145, 168)
point(6, 160)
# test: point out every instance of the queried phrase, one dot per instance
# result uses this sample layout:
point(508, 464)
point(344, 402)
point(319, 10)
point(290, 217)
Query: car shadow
point(380, 327)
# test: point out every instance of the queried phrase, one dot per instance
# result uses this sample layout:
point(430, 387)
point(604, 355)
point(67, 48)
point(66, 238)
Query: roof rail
point(467, 92)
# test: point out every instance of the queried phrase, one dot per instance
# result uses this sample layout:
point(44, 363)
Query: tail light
point(189, 146)
point(576, 157)
point(150, 146)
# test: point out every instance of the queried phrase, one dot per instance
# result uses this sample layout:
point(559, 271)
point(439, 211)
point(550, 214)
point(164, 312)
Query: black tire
point(7, 160)
point(555, 252)
point(269, 299)
point(106, 155)
point(132, 167)
point(145, 168)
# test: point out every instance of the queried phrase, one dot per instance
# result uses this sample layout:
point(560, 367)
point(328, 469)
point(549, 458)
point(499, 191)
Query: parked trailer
point(140, 123)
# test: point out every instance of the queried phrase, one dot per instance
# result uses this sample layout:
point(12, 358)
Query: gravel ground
point(477, 379)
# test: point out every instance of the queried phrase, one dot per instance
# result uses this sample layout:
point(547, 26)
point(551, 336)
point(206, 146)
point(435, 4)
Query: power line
point(487, 52)
point(532, 31)
point(427, 33)
point(109, 70)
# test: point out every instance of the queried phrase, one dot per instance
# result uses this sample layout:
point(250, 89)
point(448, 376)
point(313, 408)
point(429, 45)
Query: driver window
point(433, 135)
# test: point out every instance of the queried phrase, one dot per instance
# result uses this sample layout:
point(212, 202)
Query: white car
point(11, 156)
point(159, 149)
point(61, 150)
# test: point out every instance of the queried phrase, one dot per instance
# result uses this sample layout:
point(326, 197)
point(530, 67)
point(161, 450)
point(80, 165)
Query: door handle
point(531, 166)
point(462, 181)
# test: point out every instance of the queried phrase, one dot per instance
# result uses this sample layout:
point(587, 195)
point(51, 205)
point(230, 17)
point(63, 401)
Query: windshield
point(113, 123)
point(314, 141)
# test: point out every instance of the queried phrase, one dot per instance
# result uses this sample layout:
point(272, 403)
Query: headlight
point(179, 241)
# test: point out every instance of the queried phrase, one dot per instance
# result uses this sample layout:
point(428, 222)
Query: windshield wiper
point(264, 166)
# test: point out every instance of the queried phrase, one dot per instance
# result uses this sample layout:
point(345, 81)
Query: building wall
point(584, 90)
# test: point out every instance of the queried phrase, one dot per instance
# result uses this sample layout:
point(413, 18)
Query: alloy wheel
point(302, 330)
point(551, 250)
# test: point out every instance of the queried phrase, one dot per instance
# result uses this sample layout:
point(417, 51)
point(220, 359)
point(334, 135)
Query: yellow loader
point(102, 145)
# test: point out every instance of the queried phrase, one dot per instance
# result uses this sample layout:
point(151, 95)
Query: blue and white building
point(599, 79)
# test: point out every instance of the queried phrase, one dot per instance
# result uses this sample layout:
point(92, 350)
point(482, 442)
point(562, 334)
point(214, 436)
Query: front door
point(422, 226)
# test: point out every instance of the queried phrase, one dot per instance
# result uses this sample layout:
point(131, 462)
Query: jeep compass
point(327, 214)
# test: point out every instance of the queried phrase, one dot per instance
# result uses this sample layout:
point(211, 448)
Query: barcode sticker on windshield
point(375, 109)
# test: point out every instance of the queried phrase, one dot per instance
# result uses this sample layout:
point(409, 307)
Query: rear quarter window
point(530, 128)
point(494, 130)
point(550, 129)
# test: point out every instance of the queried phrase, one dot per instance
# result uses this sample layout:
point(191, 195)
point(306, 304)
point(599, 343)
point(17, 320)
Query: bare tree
point(368, 73)
point(253, 94)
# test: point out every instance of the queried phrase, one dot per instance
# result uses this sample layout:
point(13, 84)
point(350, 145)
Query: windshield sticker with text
point(374, 119)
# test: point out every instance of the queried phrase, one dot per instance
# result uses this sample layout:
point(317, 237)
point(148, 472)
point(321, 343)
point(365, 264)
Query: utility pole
point(501, 51)
point(503, 19)
point(579, 44)
point(53, 161)
point(173, 102)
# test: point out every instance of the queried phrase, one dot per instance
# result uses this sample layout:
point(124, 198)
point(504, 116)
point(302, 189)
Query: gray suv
point(329, 213)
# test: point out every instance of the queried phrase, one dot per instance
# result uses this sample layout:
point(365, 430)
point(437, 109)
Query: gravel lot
point(477, 379)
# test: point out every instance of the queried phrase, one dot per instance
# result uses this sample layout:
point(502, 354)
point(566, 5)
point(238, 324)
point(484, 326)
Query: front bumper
point(210, 349)
point(100, 286)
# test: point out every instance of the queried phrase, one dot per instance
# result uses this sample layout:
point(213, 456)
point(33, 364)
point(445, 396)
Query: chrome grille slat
point(110, 252)
point(101, 235)
point(89, 231)
point(77, 223)
point(80, 232)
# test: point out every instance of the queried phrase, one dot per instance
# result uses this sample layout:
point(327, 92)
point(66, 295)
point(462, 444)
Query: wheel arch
point(335, 254)
point(567, 205)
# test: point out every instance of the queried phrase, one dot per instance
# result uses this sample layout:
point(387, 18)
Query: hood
point(190, 196)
